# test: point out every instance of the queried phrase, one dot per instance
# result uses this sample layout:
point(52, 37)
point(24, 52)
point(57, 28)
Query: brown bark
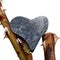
point(49, 40)
point(11, 36)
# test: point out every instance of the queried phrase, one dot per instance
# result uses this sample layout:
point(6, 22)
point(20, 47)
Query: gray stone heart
point(30, 30)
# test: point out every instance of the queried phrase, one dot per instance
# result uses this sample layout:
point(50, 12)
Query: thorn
point(56, 37)
point(5, 35)
point(4, 10)
point(41, 44)
point(6, 30)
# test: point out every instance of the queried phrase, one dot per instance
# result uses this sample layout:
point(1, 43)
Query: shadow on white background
point(31, 9)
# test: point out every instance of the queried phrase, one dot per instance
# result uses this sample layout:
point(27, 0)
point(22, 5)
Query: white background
point(31, 9)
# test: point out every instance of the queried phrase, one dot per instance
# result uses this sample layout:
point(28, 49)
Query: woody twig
point(49, 40)
point(11, 36)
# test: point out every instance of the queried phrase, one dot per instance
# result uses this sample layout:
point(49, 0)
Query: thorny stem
point(19, 50)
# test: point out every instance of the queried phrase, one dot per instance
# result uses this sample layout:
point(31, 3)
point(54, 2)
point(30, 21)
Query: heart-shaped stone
point(30, 30)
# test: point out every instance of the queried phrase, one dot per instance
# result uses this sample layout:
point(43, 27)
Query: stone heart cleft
point(30, 30)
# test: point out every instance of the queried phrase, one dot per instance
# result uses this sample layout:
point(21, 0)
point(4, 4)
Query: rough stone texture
point(30, 30)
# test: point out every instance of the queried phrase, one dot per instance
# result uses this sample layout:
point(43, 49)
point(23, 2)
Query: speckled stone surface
point(30, 30)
